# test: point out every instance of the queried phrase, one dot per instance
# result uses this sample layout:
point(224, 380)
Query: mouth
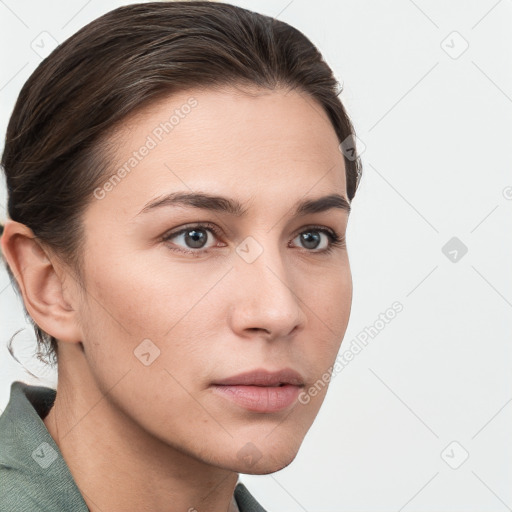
point(261, 390)
point(262, 377)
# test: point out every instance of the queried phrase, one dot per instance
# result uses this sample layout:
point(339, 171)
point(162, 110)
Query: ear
point(49, 292)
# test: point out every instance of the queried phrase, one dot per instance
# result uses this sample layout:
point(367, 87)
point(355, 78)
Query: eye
point(311, 239)
point(194, 237)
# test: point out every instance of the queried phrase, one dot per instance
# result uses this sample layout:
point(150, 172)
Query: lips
point(261, 390)
point(265, 378)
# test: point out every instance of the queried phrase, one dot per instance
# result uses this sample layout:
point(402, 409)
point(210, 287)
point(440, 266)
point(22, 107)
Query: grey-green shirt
point(33, 474)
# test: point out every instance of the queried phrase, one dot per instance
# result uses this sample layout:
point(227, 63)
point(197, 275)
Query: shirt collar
point(31, 464)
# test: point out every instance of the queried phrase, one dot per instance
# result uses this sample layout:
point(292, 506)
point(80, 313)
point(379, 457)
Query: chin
point(267, 468)
point(251, 461)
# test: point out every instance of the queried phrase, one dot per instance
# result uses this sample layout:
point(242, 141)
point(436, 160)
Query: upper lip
point(262, 377)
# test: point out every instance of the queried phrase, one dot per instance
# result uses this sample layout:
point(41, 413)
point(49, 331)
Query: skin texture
point(156, 433)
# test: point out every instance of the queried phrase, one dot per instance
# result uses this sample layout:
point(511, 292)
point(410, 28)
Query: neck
point(116, 463)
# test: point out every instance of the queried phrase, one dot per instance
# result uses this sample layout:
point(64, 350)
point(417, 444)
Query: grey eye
point(312, 239)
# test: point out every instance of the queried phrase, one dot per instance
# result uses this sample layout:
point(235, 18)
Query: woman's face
point(250, 285)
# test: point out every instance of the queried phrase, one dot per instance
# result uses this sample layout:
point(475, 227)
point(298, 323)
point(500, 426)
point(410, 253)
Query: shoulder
point(33, 475)
point(22, 492)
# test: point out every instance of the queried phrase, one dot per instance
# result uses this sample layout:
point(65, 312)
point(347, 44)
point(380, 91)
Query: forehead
point(250, 142)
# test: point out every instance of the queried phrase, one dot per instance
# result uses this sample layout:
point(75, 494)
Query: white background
point(436, 125)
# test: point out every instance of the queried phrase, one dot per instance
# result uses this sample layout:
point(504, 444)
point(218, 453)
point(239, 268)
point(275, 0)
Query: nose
point(265, 301)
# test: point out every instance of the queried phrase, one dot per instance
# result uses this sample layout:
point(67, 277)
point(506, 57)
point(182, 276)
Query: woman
point(178, 192)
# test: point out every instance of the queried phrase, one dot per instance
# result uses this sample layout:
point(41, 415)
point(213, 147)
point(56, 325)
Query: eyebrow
point(233, 207)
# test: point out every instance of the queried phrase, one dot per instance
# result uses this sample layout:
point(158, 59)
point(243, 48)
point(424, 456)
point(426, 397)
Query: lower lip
point(260, 398)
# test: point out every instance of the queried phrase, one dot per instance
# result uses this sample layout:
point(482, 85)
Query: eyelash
point(335, 239)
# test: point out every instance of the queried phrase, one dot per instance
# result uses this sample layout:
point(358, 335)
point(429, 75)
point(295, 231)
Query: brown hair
point(56, 146)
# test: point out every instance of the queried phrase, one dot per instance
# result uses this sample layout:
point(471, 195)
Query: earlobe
point(42, 283)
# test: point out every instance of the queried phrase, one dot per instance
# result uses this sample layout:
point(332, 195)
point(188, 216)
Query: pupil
point(308, 237)
point(196, 237)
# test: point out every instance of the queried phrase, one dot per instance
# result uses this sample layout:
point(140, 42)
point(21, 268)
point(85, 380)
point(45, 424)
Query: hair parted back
point(57, 146)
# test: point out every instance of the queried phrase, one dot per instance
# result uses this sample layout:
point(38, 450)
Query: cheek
point(140, 342)
point(326, 296)
point(136, 297)
point(329, 315)
point(134, 300)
